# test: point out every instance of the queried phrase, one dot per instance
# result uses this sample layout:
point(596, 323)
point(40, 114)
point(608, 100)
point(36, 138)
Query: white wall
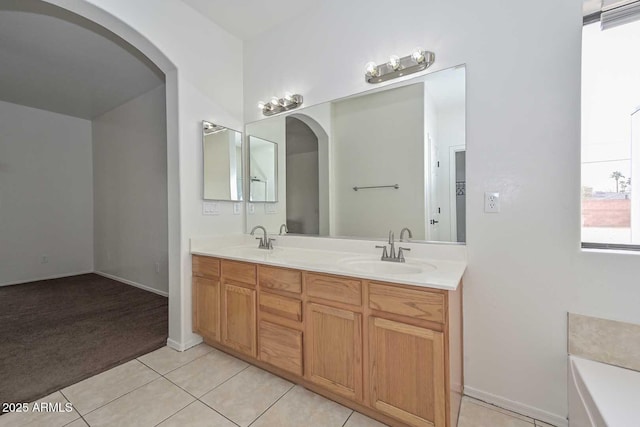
point(130, 192)
point(396, 117)
point(526, 268)
point(199, 87)
point(46, 194)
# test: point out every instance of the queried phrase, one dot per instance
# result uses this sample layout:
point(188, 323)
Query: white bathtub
point(602, 395)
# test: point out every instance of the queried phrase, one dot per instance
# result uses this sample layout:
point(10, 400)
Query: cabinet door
point(206, 307)
point(333, 349)
point(407, 372)
point(239, 325)
point(281, 347)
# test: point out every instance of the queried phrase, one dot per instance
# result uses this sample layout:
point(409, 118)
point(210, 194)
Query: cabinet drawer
point(288, 308)
point(423, 305)
point(281, 346)
point(280, 279)
point(241, 271)
point(332, 288)
point(204, 266)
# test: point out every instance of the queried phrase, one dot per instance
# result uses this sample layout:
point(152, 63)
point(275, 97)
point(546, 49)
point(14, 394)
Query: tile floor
point(206, 387)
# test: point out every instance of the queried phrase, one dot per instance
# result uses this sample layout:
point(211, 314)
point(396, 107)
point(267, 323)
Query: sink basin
point(386, 267)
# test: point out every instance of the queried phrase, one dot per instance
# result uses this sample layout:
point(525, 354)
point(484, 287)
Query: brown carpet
point(54, 333)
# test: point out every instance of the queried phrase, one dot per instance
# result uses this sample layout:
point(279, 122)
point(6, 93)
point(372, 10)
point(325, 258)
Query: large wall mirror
point(382, 160)
point(223, 174)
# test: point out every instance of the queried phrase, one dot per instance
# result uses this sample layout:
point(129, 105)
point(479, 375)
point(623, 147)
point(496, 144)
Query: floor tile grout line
point(181, 366)
point(272, 405)
point(121, 396)
point(78, 412)
point(228, 379)
point(112, 400)
point(199, 398)
point(175, 413)
point(218, 412)
point(348, 418)
point(208, 391)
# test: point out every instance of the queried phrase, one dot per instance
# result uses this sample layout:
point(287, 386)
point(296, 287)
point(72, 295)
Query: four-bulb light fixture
point(278, 105)
point(419, 60)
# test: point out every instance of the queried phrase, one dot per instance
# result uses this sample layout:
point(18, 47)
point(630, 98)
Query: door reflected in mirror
point(222, 169)
point(382, 160)
point(263, 170)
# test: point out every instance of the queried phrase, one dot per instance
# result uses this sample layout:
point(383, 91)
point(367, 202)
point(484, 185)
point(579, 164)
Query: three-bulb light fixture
point(419, 60)
point(278, 105)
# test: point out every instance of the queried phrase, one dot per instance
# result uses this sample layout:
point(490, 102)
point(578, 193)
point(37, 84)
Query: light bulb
point(394, 62)
point(372, 69)
point(261, 105)
point(288, 96)
point(275, 101)
point(418, 55)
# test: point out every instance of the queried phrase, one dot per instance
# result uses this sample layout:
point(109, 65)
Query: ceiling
point(57, 61)
point(246, 19)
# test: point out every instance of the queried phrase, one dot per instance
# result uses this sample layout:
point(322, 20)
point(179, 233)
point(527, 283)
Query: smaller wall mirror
point(222, 148)
point(263, 170)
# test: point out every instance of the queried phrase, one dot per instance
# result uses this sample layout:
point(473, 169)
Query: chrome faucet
point(391, 255)
point(265, 242)
point(286, 230)
point(402, 234)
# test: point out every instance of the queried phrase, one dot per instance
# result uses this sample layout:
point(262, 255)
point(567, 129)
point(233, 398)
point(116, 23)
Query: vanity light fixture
point(419, 60)
point(278, 105)
point(210, 128)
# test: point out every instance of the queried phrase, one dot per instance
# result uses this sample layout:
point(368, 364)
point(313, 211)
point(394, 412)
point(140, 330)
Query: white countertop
point(427, 265)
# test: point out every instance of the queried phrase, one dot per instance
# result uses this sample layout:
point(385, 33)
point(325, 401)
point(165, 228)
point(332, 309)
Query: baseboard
point(132, 283)
point(37, 279)
point(182, 347)
point(517, 407)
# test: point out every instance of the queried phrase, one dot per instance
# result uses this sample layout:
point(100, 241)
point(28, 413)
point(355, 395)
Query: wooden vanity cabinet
point(406, 368)
point(393, 352)
point(280, 309)
point(206, 297)
point(238, 322)
point(333, 349)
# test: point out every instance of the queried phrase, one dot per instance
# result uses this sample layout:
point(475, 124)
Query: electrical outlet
point(44, 259)
point(157, 267)
point(210, 208)
point(492, 202)
point(252, 208)
point(236, 208)
point(270, 208)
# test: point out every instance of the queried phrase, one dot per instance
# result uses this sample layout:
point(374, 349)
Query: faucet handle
point(401, 253)
point(270, 243)
point(261, 241)
point(384, 250)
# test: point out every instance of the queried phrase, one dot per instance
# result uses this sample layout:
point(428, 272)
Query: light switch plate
point(236, 208)
point(252, 209)
point(492, 202)
point(210, 208)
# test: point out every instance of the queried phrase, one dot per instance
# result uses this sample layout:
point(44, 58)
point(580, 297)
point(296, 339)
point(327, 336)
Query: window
point(611, 131)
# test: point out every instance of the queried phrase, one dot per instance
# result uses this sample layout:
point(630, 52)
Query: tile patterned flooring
point(206, 387)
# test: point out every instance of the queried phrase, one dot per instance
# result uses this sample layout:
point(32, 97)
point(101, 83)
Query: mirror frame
point(242, 197)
